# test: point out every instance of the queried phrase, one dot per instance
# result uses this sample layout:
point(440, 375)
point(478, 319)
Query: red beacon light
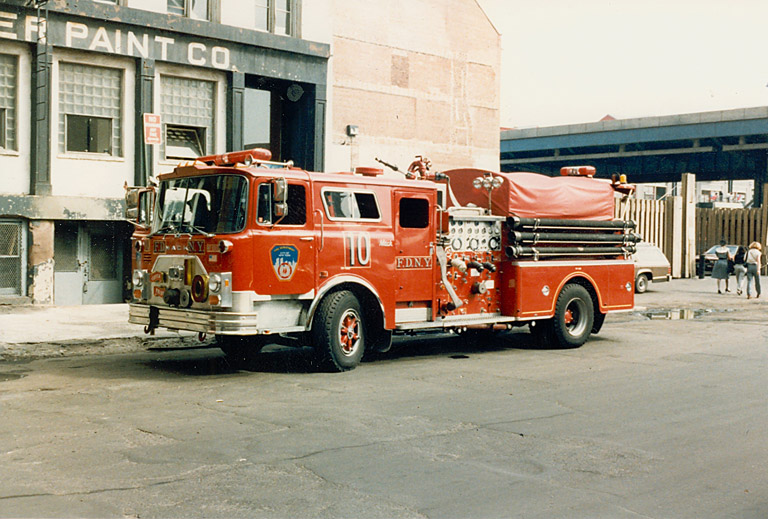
point(369, 172)
point(578, 171)
point(246, 157)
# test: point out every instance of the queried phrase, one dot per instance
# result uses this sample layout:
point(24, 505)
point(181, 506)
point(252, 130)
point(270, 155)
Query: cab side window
point(264, 204)
point(297, 206)
point(350, 205)
point(414, 213)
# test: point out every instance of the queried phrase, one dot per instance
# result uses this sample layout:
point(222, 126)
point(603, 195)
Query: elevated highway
point(722, 145)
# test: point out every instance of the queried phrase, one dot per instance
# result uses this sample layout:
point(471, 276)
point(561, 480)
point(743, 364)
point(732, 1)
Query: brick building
point(329, 84)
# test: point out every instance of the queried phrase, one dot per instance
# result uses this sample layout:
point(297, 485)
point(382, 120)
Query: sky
point(574, 61)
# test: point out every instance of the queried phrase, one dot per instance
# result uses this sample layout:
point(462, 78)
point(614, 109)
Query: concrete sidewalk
point(28, 331)
point(34, 324)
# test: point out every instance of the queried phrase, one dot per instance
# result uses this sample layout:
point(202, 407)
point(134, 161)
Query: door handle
point(306, 238)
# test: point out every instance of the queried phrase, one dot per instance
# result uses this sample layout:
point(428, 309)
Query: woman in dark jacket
point(740, 267)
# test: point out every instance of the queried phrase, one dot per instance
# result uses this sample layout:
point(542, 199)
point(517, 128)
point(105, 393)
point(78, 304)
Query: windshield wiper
point(197, 230)
point(170, 226)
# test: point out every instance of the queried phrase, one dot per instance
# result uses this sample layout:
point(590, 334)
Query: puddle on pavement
point(677, 314)
point(7, 377)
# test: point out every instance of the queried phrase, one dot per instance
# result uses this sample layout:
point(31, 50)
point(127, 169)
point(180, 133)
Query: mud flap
point(154, 320)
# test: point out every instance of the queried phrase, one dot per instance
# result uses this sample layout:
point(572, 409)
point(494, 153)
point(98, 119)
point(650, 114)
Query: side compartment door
point(414, 255)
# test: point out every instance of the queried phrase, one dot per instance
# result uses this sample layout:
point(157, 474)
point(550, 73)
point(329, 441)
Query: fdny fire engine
point(257, 252)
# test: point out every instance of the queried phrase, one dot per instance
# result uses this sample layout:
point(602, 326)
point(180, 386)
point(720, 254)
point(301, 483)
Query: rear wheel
point(337, 331)
point(574, 317)
point(641, 283)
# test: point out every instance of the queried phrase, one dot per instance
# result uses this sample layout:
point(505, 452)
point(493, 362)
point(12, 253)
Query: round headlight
point(225, 246)
point(138, 278)
point(214, 282)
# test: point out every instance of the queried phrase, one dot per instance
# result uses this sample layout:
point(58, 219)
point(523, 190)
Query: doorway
point(88, 263)
point(280, 115)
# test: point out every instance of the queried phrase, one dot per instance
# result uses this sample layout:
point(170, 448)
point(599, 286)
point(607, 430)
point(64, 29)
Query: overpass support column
point(673, 241)
point(760, 182)
point(688, 238)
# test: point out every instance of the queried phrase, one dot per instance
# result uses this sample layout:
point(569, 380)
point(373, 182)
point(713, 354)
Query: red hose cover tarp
point(532, 195)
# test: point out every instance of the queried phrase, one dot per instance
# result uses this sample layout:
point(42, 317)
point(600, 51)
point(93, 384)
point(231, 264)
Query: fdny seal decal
point(284, 261)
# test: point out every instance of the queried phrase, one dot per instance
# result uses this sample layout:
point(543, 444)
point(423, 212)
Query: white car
point(650, 265)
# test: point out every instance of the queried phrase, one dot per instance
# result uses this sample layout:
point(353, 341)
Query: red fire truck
point(257, 252)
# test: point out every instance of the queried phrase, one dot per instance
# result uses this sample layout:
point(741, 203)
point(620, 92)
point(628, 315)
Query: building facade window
point(90, 101)
point(195, 9)
point(8, 95)
point(275, 16)
point(187, 108)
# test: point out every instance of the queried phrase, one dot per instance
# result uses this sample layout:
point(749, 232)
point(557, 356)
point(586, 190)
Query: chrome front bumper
point(203, 321)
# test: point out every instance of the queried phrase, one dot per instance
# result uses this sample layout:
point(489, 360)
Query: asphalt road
point(654, 417)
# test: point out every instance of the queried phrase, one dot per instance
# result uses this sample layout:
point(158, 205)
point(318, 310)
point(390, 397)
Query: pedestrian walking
point(753, 267)
point(720, 268)
point(740, 267)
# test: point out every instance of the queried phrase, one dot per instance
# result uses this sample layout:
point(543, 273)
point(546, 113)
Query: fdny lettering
point(158, 247)
point(413, 262)
point(197, 246)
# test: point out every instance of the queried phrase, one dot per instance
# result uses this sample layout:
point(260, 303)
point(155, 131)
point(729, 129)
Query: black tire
point(574, 317)
point(241, 350)
point(338, 332)
point(641, 283)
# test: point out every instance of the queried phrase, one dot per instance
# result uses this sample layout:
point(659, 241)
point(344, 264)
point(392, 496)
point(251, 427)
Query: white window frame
point(61, 142)
point(218, 137)
point(293, 28)
point(330, 189)
point(188, 4)
point(4, 149)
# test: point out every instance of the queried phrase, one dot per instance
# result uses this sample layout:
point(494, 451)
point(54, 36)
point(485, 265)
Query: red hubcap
point(568, 317)
point(348, 334)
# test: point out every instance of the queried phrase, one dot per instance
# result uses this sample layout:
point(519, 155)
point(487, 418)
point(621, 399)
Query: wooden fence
point(663, 223)
point(651, 218)
point(736, 226)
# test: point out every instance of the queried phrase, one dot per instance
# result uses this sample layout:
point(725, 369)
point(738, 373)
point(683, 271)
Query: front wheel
point(337, 332)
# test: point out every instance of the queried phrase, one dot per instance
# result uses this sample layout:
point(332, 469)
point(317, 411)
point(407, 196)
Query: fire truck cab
point(256, 252)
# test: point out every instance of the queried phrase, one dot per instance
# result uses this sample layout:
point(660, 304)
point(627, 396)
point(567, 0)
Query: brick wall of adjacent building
point(415, 77)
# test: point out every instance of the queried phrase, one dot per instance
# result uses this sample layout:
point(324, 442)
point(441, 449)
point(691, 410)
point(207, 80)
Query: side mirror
point(280, 209)
point(131, 202)
point(279, 197)
point(138, 205)
point(280, 193)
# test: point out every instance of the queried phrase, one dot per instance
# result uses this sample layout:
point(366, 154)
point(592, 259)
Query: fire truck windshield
point(213, 204)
